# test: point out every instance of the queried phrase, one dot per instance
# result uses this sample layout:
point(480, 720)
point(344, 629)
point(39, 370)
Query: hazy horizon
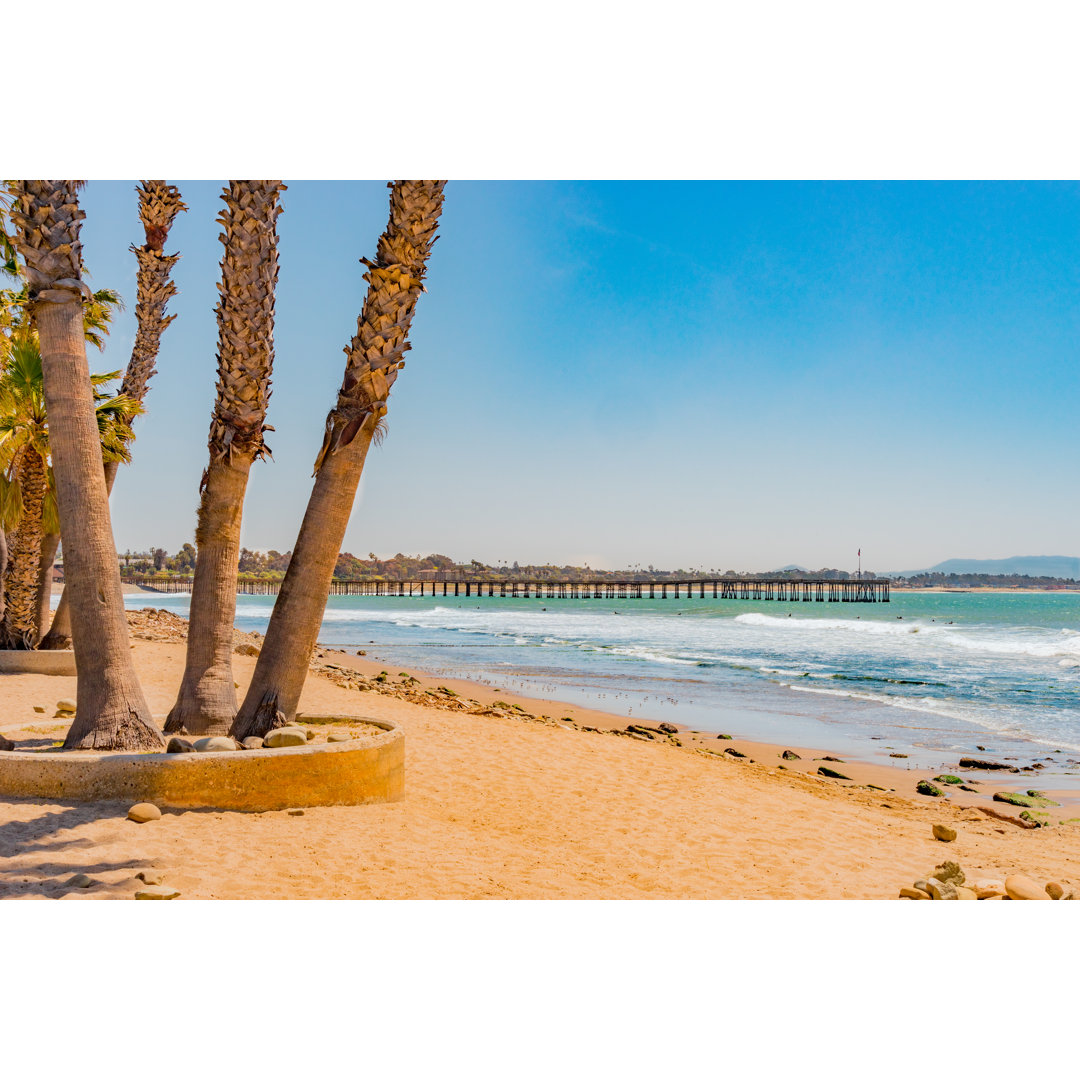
point(733, 374)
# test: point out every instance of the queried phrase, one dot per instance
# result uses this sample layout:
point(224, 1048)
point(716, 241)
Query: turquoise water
point(933, 675)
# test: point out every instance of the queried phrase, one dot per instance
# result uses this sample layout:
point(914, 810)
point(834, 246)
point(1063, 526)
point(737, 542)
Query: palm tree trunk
point(49, 543)
point(245, 313)
point(3, 569)
point(395, 281)
point(159, 203)
point(20, 627)
point(206, 703)
point(111, 713)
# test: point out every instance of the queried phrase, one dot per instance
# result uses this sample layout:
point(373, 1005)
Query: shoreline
point(501, 803)
point(890, 777)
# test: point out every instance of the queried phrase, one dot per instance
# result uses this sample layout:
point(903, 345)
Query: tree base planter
point(368, 769)
point(37, 662)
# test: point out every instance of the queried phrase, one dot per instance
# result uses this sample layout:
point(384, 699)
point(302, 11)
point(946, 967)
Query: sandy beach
point(518, 803)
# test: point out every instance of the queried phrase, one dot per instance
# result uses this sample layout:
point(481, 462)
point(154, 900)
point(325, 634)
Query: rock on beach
point(1020, 887)
point(944, 833)
point(143, 812)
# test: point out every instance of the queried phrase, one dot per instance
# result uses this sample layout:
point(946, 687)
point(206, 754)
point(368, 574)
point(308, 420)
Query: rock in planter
point(6, 744)
point(790, 755)
point(157, 892)
point(924, 787)
point(1054, 890)
point(253, 742)
point(143, 812)
point(285, 736)
point(944, 833)
point(179, 746)
point(941, 890)
point(832, 773)
point(214, 743)
point(309, 733)
point(1020, 887)
point(338, 736)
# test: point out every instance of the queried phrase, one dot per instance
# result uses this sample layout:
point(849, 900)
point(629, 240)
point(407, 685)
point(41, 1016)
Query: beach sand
point(501, 806)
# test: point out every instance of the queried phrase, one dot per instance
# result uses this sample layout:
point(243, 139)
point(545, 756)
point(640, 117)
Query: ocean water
point(930, 675)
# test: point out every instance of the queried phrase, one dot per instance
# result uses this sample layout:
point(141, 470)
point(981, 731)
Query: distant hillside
point(1055, 566)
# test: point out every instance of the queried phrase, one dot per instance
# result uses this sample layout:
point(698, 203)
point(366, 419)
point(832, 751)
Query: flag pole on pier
point(860, 563)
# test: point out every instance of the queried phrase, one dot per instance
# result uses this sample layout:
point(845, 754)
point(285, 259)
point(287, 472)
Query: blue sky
point(735, 375)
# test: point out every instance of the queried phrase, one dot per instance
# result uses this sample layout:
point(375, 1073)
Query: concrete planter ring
point(37, 662)
point(369, 768)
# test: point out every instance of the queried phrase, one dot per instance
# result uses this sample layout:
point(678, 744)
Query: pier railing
point(850, 591)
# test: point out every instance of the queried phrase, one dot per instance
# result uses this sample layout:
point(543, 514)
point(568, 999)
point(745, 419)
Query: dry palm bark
point(206, 702)
point(395, 281)
point(20, 582)
point(159, 203)
point(112, 713)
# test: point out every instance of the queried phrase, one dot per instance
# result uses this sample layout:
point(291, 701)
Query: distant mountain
point(793, 566)
point(1056, 566)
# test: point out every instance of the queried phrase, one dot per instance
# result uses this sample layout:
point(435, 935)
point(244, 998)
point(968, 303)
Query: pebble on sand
point(944, 834)
point(1054, 890)
point(79, 881)
point(143, 812)
point(151, 877)
point(157, 892)
point(1020, 887)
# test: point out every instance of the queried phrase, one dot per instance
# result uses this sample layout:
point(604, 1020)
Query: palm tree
point(27, 495)
point(395, 281)
point(111, 713)
point(159, 203)
point(206, 702)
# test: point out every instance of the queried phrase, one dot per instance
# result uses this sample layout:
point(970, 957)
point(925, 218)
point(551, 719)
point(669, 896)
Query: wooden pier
point(851, 591)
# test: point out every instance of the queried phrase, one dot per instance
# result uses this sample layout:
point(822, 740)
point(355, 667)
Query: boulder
point(6, 744)
point(667, 729)
point(214, 743)
point(944, 833)
point(1054, 890)
point(829, 757)
point(143, 812)
point(924, 787)
point(1014, 799)
point(179, 746)
point(832, 773)
point(725, 736)
point(733, 752)
point(338, 736)
point(948, 778)
point(79, 881)
point(1020, 887)
point(253, 742)
point(941, 890)
point(979, 763)
point(914, 894)
point(949, 871)
point(285, 736)
point(157, 892)
point(790, 755)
